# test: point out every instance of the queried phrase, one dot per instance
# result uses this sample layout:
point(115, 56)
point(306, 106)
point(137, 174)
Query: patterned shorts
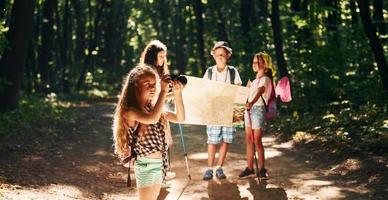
point(217, 133)
point(148, 171)
point(257, 119)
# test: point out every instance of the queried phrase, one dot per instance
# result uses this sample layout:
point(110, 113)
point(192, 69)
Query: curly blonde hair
point(268, 62)
point(128, 99)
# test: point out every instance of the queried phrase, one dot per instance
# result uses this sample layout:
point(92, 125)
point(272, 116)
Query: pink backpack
point(283, 91)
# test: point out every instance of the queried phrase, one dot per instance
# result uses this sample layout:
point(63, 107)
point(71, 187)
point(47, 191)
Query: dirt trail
point(75, 161)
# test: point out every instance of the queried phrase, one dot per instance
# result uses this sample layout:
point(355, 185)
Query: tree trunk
point(180, 38)
point(374, 42)
point(2, 9)
point(281, 63)
point(79, 55)
point(378, 16)
point(92, 41)
point(245, 16)
point(46, 49)
point(14, 58)
point(353, 11)
point(200, 40)
point(64, 50)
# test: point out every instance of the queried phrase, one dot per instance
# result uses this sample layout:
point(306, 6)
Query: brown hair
point(149, 56)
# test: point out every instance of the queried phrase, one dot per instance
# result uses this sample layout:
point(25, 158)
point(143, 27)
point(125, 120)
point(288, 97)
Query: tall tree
point(2, 9)
point(275, 21)
point(79, 53)
point(46, 48)
point(93, 39)
point(378, 16)
point(374, 42)
point(13, 60)
point(64, 40)
point(200, 41)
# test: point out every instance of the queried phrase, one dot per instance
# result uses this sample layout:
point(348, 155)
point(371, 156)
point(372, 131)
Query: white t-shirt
point(223, 76)
point(262, 81)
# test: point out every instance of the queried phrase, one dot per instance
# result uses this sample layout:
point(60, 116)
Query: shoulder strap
point(232, 72)
point(210, 73)
point(134, 139)
point(265, 104)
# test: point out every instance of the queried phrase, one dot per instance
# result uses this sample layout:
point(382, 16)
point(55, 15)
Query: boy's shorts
point(257, 117)
point(148, 171)
point(217, 133)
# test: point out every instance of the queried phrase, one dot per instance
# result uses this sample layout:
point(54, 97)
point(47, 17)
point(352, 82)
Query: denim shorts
point(257, 117)
point(217, 133)
point(148, 171)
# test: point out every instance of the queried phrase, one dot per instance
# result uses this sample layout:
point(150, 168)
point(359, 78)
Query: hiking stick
point(184, 151)
point(254, 146)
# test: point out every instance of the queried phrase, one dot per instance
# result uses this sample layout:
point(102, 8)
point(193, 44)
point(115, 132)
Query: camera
point(182, 79)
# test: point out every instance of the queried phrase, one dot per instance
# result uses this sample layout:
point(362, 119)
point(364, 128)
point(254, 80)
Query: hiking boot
point(263, 173)
point(170, 175)
point(247, 172)
point(208, 175)
point(220, 173)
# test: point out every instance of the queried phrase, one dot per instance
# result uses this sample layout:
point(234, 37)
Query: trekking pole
point(184, 151)
point(254, 147)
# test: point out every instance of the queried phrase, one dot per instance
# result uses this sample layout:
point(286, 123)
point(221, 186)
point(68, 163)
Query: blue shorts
point(217, 133)
point(148, 171)
point(257, 119)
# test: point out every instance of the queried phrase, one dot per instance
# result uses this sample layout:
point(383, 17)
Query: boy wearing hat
point(220, 135)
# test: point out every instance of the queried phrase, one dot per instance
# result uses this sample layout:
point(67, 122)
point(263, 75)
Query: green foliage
point(339, 126)
point(34, 112)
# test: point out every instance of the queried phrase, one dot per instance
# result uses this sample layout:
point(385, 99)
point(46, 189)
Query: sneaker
point(263, 173)
point(170, 175)
point(208, 175)
point(165, 184)
point(247, 172)
point(220, 173)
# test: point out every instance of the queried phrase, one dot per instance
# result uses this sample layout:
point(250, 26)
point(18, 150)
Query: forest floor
point(74, 160)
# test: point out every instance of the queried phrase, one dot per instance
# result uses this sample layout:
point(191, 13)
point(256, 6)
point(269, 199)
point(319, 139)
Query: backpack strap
point(134, 140)
point(209, 73)
point(232, 72)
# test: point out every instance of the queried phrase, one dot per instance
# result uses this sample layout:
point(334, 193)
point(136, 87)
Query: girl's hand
point(248, 105)
point(177, 86)
point(249, 83)
point(165, 83)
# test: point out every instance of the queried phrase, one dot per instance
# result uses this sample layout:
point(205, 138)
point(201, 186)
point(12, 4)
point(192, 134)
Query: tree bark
point(379, 16)
point(200, 41)
point(275, 21)
point(370, 31)
point(46, 49)
point(14, 58)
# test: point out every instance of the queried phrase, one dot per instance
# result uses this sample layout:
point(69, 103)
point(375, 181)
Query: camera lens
point(180, 78)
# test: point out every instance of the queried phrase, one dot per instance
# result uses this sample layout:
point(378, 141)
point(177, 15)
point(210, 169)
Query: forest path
point(75, 161)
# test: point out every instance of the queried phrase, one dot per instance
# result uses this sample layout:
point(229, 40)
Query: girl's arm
point(179, 116)
point(154, 115)
point(260, 91)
